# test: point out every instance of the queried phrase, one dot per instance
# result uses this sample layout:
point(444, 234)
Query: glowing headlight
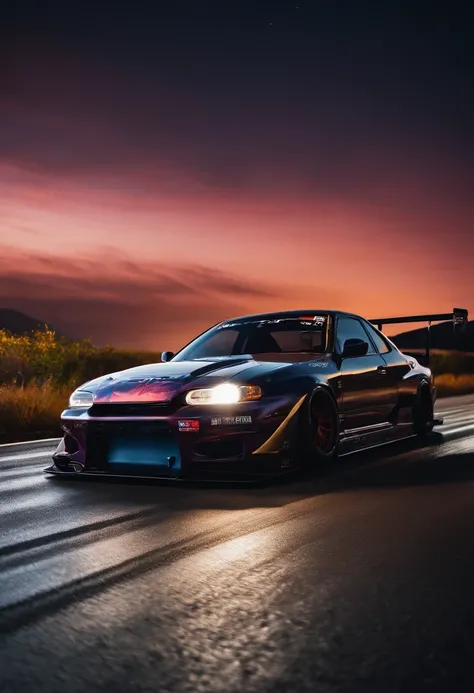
point(81, 399)
point(227, 393)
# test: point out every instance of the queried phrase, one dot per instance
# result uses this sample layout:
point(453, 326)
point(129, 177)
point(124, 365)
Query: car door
point(401, 390)
point(397, 363)
point(366, 400)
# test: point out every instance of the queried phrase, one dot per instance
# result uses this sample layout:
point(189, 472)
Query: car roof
point(294, 314)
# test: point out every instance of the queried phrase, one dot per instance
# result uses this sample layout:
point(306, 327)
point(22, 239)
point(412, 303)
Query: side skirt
point(368, 437)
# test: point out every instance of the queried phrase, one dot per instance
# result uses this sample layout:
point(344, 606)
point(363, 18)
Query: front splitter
point(107, 475)
point(245, 478)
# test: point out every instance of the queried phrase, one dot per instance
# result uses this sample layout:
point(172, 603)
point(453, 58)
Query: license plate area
point(135, 448)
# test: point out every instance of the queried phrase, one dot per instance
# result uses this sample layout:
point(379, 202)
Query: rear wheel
point(322, 429)
point(423, 414)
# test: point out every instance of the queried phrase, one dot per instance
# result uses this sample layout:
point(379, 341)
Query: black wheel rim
point(324, 425)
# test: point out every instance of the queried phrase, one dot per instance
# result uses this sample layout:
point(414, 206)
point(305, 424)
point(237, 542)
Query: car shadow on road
point(427, 470)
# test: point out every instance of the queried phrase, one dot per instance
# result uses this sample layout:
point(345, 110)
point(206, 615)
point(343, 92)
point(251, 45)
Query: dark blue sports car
point(253, 396)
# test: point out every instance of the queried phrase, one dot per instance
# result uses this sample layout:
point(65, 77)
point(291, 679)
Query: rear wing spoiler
point(459, 318)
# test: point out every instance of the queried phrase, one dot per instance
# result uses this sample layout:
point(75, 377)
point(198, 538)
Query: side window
point(350, 328)
point(380, 343)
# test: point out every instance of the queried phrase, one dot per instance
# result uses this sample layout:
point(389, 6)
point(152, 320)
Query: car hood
point(160, 382)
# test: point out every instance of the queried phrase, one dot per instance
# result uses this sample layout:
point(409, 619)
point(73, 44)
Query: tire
point(423, 414)
point(320, 436)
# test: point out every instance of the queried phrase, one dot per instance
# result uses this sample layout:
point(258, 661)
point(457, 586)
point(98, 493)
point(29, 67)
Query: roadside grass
point(450, 384)
point(451, 362)
point(32, 411)
point(38, 373)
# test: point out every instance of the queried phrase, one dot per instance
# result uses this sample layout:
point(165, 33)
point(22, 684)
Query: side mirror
point(167, 356)
point(355, 347)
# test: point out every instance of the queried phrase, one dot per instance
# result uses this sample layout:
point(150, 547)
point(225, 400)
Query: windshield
point(296, 335)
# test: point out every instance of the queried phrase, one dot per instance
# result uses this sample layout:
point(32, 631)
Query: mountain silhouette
point(19, 323)
point(443, 337)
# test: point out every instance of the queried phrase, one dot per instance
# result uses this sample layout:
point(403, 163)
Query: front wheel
point(321, 436)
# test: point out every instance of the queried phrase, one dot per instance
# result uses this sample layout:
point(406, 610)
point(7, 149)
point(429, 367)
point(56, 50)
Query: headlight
point(227, 393)
point(81, 399)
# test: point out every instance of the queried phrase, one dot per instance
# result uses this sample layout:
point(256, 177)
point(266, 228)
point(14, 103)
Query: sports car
point(253, 396)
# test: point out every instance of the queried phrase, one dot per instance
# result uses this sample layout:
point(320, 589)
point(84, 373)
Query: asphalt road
point(359, 579)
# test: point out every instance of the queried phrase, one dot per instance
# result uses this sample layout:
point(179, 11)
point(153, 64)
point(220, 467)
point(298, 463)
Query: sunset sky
point(167, 165)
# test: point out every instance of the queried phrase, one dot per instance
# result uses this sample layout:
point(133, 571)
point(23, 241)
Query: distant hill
point(442, 337)
point(19, 323)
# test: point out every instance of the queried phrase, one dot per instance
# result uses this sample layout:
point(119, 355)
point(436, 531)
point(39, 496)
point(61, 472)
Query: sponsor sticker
point(314, 318)
point(188, 425)
point(230, 420)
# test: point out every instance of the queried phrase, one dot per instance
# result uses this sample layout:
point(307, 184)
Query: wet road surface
point(361, 579)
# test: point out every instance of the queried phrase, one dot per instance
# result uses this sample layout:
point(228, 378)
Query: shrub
point(44, 356)
point(454, 362)
point(449, 384)
point(31, 411)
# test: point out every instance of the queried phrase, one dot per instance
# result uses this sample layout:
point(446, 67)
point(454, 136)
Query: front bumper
point(193, 442)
